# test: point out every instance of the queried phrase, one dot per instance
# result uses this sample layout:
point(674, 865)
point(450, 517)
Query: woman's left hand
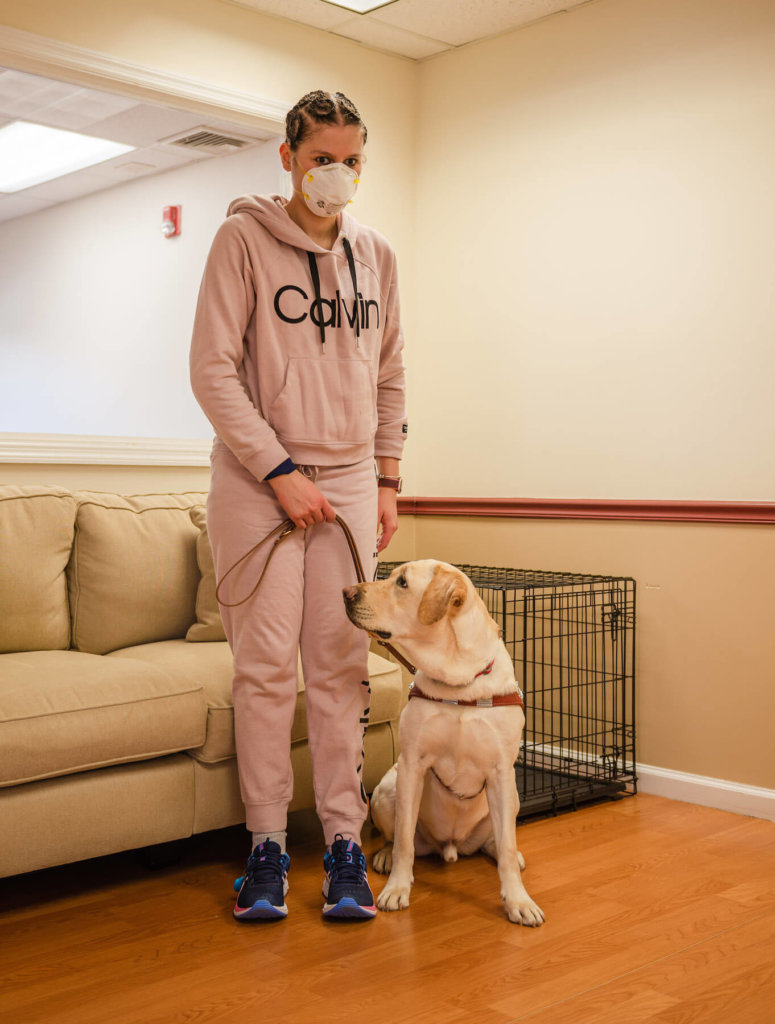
point(387, 516)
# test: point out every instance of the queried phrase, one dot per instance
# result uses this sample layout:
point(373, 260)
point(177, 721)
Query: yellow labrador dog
point(454, 789)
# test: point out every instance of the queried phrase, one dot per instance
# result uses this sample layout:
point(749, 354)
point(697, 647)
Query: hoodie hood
point(269, 211)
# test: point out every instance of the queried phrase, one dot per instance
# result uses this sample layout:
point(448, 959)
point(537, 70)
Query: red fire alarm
point(170, 225)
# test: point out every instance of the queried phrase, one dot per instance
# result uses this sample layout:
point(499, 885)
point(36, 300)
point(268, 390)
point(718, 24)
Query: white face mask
point(329, 188)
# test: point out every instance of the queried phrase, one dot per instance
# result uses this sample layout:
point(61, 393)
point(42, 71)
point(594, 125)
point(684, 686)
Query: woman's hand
point(304, 504)
point(387, 516)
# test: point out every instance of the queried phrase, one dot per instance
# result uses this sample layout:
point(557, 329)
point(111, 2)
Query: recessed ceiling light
point(31, 154)
point(359, 6)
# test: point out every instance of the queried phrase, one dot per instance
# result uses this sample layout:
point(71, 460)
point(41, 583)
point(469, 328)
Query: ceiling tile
point(386, 37)
point(91, 105)
point(308, 12)
point(19, 85)
point(70, 186)
point(166, 157)
point(463, 21)
point(144, 124)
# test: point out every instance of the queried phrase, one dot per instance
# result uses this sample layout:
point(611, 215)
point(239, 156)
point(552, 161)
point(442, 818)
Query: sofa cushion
point(36, 535)
point(133, 573)
point(208, 625)
point(210, 664)
point(64, 712)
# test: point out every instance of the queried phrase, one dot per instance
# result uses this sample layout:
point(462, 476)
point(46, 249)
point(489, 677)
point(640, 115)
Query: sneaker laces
point(348, 865)
point(264, 866)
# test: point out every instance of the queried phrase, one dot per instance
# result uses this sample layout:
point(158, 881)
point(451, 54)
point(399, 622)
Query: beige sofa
point(116, 720)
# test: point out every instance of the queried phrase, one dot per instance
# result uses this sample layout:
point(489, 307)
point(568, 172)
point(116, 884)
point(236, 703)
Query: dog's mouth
point(382, 634)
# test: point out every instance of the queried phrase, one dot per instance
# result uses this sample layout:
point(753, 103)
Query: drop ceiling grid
point(415, 28)
point(105, 115)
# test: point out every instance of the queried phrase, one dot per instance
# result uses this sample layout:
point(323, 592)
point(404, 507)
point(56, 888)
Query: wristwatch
point(394, 482)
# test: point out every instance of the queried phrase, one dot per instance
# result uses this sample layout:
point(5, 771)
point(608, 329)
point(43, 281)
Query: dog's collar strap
point(498, 701)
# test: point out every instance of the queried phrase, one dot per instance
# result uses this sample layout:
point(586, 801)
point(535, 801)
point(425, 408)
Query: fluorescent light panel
point(359, 6)
point(31, 154)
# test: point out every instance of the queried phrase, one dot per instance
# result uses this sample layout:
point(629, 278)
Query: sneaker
point(263, 887)
point(346, 887)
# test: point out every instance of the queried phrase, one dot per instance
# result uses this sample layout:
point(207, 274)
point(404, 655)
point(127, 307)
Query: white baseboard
point(700, 789)
point(692, 789)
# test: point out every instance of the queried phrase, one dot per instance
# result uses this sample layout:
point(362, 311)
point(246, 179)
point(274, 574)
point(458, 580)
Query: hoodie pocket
point(326, 401)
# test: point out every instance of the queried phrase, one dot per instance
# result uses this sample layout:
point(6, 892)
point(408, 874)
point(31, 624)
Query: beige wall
point(705, 676)
point(595, 242)
point(118, 479)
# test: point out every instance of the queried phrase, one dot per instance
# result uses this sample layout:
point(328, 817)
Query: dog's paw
point(524, 911)
point(394, 897)
point(382, 861)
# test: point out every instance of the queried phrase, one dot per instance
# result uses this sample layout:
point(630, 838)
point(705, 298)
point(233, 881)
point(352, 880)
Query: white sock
point(275, 837)
point(348, 836)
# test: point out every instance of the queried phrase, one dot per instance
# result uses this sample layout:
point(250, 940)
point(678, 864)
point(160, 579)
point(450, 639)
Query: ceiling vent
point(210, 140)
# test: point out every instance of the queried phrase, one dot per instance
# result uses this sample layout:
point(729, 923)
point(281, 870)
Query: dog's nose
point(351, 594)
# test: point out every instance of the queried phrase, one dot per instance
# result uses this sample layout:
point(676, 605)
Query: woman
point(296, 361)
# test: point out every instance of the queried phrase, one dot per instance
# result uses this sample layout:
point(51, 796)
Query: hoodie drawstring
point(313, 269)
point(315, 275)
point(351, 264)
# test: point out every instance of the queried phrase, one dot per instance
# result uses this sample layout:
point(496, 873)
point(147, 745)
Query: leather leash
point(281, 533)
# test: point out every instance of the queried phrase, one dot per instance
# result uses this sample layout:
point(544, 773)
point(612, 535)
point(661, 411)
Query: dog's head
point(430, 608)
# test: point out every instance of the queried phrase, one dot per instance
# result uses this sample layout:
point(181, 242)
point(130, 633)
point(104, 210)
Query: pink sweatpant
point(298, 605)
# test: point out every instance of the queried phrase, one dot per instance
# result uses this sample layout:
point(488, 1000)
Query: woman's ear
point(445, 593)
point(285, 156)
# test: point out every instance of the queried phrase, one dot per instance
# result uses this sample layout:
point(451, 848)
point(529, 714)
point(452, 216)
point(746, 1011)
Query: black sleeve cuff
point(284, 468)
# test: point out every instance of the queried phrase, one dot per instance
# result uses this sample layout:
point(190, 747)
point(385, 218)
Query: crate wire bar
point(572, 640)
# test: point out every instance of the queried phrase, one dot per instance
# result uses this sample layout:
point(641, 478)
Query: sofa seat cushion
point(210, 664)
point(64, 712)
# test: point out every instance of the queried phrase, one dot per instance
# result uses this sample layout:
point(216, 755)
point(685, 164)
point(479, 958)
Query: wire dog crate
point(572, 640)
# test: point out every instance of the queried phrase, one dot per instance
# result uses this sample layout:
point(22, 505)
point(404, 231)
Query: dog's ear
point(446, 592)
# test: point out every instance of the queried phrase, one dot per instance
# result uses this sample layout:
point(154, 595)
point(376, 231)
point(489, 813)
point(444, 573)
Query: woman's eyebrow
point(323, 152)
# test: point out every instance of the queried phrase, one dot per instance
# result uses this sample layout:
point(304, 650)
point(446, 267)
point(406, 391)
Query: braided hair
point(319, 108)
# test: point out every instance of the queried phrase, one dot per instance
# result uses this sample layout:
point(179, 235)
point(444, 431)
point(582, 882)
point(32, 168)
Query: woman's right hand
point(304, 504)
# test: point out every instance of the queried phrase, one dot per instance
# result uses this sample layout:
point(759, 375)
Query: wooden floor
point(656, 911)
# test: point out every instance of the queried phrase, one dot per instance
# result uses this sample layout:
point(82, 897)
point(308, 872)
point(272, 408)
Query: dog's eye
point(401, 582)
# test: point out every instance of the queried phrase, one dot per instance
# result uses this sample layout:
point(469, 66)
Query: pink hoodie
point(286, 361)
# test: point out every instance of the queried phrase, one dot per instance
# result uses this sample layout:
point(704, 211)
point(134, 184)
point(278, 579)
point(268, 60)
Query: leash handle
point(281, 533)
point(285, 529)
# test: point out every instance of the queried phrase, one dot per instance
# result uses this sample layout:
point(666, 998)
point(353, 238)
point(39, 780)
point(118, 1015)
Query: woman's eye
point(401, 582)
point(322, 160)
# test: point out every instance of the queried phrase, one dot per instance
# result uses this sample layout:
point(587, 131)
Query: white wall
point(595, 249)
point(96, 306)
point(237, 48)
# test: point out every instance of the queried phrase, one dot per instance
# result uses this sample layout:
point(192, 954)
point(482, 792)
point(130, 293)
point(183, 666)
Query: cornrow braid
point(319, 108)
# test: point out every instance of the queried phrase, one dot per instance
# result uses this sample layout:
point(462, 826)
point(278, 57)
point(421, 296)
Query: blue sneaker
point(263, 887)
point(346, 887)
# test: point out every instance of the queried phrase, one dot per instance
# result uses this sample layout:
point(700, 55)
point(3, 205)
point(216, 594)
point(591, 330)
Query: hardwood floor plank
point(701, 983)
point(656, 911)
